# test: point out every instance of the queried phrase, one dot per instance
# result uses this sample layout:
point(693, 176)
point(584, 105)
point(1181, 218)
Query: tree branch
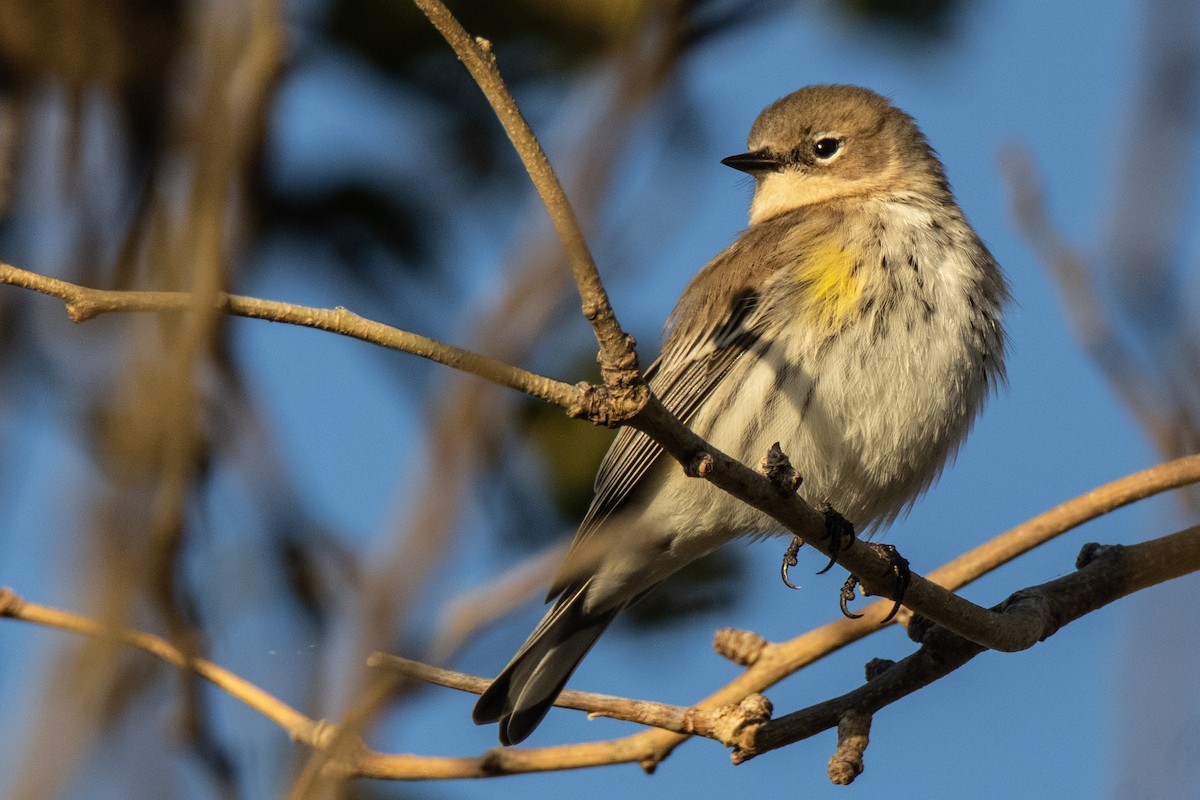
point(734, 714)
point(1105, 574)
point(84, 303)
point(768, 663)
point(719, 724)
point(298, 726)
point(618, 358)
point(772, 662)
point(1006, 632)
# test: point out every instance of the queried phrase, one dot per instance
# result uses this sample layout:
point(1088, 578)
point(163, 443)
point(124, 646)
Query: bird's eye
point(826, 148)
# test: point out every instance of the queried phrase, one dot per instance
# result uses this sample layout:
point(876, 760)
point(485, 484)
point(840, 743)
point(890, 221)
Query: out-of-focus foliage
point(924, 17)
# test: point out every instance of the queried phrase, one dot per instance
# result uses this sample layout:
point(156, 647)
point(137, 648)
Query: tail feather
point(523, 693)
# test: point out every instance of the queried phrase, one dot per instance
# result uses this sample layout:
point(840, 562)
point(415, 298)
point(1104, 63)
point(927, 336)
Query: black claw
point(897, 567)
point(840, 532)
point(790, 560)
point(846, 595)
point(895, 610)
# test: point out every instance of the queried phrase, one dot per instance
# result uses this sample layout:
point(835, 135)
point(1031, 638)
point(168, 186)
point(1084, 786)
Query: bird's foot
point(838, 530)
point(901, 576)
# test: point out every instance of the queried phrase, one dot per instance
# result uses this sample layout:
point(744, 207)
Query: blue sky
point(1053, 721)
point(1056, 79)
point(1075, 716)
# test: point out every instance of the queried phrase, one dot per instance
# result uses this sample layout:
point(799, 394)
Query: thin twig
point(84, 303)
point(618, 359)
point(681, 719)
point(1037, 531)
point(298, 726)
point(468, 420)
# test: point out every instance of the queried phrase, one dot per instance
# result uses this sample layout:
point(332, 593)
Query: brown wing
point(682, 377)
point(719, 317)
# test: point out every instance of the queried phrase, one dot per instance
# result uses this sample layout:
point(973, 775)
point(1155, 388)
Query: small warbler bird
point(857, 322)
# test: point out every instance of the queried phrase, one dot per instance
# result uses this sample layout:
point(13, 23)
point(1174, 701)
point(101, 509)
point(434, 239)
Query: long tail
point(522, 694)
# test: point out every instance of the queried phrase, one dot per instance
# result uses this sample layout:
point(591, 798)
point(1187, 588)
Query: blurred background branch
point(288, 505)
point(1127, 301)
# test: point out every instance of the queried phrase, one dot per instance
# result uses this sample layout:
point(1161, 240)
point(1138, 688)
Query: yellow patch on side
point(832, 287)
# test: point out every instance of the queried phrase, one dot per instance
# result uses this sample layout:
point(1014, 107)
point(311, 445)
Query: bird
point(857, 321)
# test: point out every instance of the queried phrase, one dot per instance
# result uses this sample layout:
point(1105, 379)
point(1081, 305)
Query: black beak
point(753, 163)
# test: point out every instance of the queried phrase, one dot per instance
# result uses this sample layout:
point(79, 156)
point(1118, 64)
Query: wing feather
point(696, 357)
point(682, 377)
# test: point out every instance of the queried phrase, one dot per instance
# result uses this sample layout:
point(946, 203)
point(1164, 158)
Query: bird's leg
point(899, 570)
point(839, 531)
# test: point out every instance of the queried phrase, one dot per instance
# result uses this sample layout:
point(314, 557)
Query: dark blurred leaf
point(125, 47)
point(927, 17)
point(534, 38)
point(571, 452)
point(316, 565)
point(356, 219)
point(702, 586)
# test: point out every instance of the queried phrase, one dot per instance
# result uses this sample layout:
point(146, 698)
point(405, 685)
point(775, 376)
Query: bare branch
point(770, 663)
point(1105, 575)
point(1062, 518)
point(717, 724)
point(618, 359)
point(775, 661)
point(297, 725)
point(1007, 632)
point(1084, 310)
point(84, 303)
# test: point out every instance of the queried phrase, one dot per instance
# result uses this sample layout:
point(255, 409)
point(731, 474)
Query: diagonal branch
point(769, 662)
point(1006, 632)
point(1105, 575)
point(618, 359)
point(300, 727)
